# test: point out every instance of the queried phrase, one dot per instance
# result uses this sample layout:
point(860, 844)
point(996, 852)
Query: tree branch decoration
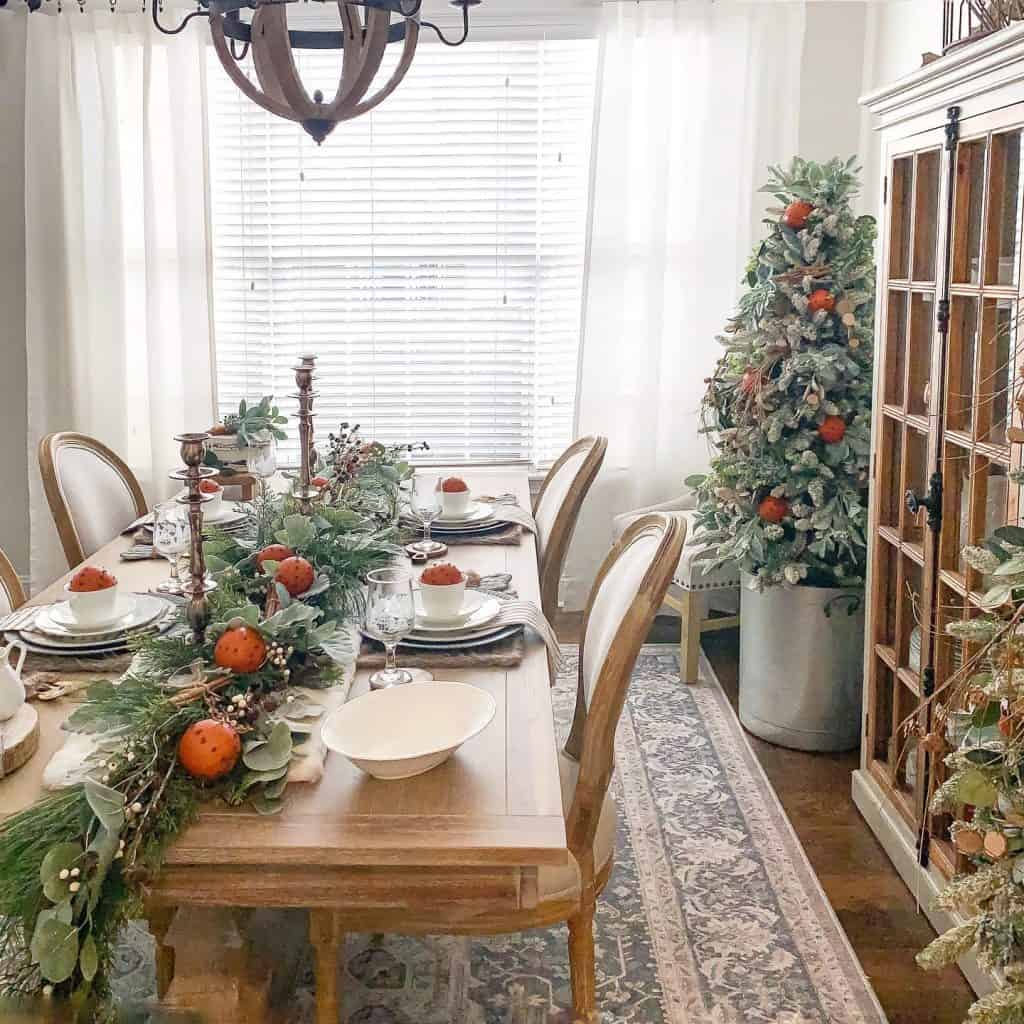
point(191, 722)
point(788, 407)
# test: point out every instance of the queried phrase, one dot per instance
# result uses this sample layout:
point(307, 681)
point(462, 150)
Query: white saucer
point(477, 512)
point(62, 615)
point(471, 601)
point(477, 610)
point(56, 621)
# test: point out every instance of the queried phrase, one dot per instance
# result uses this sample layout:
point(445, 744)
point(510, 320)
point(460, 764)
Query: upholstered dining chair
point(694, 591)
point(627, 594)
point(556, 510)
point(92, 493)
point(12, 596)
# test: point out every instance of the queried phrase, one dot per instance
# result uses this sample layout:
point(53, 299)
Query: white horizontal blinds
point(430, 253)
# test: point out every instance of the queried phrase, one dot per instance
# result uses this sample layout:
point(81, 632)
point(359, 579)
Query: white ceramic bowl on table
point(443, 603)
point(407, 730)
point(93, 607)
point(455, 503)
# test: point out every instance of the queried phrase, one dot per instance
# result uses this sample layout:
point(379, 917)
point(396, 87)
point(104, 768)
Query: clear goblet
point(390, 616)
point(170, 539)
point(425, 504)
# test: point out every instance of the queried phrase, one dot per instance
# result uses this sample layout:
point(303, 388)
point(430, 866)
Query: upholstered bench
point(693, 591)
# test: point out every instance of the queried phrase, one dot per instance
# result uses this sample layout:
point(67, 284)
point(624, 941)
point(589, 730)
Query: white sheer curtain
point(117, 318)
point(696, 98)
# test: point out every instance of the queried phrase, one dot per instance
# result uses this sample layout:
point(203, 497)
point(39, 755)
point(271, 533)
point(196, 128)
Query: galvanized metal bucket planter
point(801, 666)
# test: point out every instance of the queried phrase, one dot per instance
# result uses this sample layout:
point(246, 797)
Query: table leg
point(160, 918)
point(327, 938)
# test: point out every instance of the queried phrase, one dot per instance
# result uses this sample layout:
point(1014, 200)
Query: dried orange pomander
point(321, 482)
point(296, 575)
point(832, 430)
point(91, 578)
point(443, 575)
point(209, 486)
point(773, 510)
point(821, 299)
point(796, 214)
point(208, 750)
point(454, 485)
point(274, 553)
point(240, 649)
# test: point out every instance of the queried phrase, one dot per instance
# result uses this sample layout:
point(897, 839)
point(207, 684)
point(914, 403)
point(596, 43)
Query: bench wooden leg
point(689, 635)
point(327, 938)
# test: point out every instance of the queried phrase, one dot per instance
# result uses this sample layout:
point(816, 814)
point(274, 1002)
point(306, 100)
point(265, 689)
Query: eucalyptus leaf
point(106, 803)
point(273, 790)
point(264, 805)
point(55, 948)
point(996, 596)
point(251, 779)
point(276, 753)
point(88, 958)
point(1011, 568)
point(1011, 534)
point(61, 857)
point(974, 788)
point(986, 715)
point(298, 531)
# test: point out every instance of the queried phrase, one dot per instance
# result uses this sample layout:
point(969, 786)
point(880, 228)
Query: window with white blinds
point(430, 253)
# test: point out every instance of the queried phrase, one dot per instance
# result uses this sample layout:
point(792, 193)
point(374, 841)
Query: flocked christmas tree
point(788, 405)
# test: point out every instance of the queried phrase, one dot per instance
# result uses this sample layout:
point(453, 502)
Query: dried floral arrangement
point(190, 723)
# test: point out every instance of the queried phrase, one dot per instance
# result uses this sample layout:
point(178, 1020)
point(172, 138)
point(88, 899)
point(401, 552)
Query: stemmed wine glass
point(425, 503)
point(170, 539)
point(390, 616)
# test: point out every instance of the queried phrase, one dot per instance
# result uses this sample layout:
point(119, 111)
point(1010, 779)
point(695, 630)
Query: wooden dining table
point(463, 839)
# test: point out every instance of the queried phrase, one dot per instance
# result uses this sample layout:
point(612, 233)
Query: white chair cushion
point(564, 882)
point(6, 604)
point(98, 497)
point(554, 495)
point(688, 576)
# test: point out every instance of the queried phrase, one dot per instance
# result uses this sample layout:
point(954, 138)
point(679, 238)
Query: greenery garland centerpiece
point(788, 405)
point(979, 712)
point(188, 723)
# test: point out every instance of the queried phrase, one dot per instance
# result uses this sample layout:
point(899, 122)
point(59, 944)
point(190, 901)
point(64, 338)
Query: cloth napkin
point(508, 509)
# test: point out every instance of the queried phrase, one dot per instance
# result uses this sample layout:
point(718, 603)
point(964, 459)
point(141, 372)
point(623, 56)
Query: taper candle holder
point(193, 448)
point(304, 377)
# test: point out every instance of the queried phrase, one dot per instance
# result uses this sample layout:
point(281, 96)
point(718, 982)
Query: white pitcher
point(12, 690)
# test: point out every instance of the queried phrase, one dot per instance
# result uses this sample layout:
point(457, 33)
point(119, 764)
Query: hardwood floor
point(873, 905)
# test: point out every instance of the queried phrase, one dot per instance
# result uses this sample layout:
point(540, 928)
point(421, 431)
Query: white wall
point(14, 463)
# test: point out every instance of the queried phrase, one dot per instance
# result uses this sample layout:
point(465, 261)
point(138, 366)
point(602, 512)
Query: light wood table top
point(495, 804)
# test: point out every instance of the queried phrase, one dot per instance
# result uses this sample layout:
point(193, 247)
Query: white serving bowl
point(455, 503)
point(443, 602)
point(92, 607)
point(407, 730)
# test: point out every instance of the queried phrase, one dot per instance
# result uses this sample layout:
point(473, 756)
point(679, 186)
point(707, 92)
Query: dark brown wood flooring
point(874, 906)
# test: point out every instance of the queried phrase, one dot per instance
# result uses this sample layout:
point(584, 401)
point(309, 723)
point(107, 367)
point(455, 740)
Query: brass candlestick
point(304, 377)
point(193, 448)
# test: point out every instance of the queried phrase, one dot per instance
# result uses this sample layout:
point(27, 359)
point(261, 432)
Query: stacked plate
point(228, 520)
point(479, 519)
point(477, 624)
point(54, 631)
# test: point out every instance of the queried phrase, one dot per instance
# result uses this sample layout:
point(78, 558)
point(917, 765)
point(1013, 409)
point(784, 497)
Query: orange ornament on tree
point(273, 553)
point(208, 750)
point(832, 430)
point(773, 510)
point(296, 575)
point(240, 649)
point(796, 214)
point(821, 299)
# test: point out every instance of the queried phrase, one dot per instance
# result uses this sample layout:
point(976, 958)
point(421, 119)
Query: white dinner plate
point(138, 610)
point(408, 730)
point(39, 643)
point(477, 512)
point(480, 639)
point(478, 610)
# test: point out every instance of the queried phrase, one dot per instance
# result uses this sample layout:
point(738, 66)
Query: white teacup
point(455, 503)
point(92, 607)
point(213, 503)
point(444, 602)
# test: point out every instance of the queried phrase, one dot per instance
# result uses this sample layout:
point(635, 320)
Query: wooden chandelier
point(367, 28)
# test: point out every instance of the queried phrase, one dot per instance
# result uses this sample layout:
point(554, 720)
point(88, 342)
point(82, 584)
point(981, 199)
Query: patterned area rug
point(713, 914)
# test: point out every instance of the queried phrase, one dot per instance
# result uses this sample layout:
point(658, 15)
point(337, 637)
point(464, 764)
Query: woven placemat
point(506, 653)
point(109, 665)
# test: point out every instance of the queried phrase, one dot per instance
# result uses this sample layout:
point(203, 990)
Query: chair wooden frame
point(556, 544)
point(591, 743)
point(10, 584)
point(62, 518)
